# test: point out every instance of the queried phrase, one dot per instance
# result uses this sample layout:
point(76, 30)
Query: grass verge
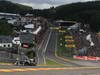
point(52, 63)
point(62, 51)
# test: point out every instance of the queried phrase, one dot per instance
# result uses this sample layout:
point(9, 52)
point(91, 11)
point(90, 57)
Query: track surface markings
point(44, 69)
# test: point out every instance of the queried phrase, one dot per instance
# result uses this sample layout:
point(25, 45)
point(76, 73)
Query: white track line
point(39, 50)
point(40, 47)
point(46, 47)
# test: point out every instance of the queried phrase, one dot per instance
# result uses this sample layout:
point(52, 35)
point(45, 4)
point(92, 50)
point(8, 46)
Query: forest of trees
point(5, 28)
point(9, 7)
point(85, 12)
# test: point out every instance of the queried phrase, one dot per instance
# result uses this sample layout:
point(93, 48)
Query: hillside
point(5, 28)
point(9, 7)
point(86, 12)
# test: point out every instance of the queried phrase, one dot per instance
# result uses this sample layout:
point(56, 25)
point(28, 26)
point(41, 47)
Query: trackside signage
point(86, 58)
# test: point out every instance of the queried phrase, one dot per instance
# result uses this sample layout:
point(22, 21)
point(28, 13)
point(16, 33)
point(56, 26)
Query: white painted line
point(38, 48)
point(41, 44)
point(38, 58)
point(56, 48)
point(56, 45)
point(47, 42)
point(46, 47)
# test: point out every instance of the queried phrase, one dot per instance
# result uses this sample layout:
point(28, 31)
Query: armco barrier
point(87, 58)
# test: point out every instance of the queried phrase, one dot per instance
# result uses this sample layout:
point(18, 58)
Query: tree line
point(84, 12)
point(10, 7)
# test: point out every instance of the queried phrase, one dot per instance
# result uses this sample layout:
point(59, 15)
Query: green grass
point(62, 50)
point(52, 63)
point(98, 32)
